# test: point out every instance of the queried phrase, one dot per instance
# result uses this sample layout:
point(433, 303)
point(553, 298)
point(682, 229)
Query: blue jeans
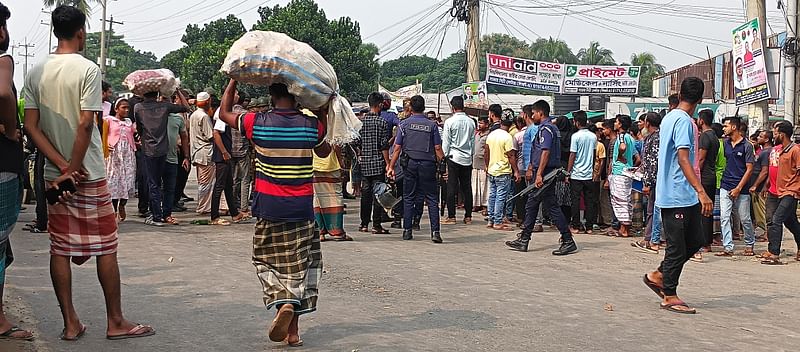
point(498, 193)
point(653, 230)
point(169, 177)
point(155, 167)
point(742, 204)
point(419, 180)
point(509, 211)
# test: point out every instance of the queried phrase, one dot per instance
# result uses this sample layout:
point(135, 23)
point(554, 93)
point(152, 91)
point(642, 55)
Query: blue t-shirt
point(527, 144)
point(737, 158)
point(630, 150)
point(547, 138)
point(391, 121)
point(672, 187)
point(583, 144)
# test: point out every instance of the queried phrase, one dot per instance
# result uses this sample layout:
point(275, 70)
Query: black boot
point(566, 248)
point(436, 237)
point(407, 236)
point(519, 244)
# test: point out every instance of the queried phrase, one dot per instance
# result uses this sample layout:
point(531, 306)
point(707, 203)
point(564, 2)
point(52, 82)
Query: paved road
point(382, 294)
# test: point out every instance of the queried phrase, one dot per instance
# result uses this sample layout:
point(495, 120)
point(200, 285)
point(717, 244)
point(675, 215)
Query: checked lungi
point(9, 210)
point(328, 203)
point(620, 187)
point(85, 226)
point(288, 261)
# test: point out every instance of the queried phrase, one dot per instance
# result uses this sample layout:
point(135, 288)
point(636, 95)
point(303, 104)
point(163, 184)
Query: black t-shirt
point(708, 171)
point(762, 161)
point(152, 117)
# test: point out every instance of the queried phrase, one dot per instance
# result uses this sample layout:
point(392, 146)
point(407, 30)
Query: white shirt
point(458, 138)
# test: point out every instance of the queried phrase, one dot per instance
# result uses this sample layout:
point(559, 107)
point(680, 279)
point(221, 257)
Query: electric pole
point(49, 32)
point(790, 62)
point(103, 42)
point(25, 56)
point(473, 40)
point(757, 9)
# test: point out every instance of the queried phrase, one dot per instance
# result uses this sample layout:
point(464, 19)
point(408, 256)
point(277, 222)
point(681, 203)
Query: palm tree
point(82, 5)
point(594, 54)
point(648, 63)
point(553, 50)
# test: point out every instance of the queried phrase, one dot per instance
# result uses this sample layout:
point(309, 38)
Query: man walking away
point(739, 156)
point(284, 205)
point(223, 173)
point(419, 140)
point(374, 146)
point(458, 143)
point(707, 152)
point(501, 166)
point(82, 224)
point(681, 197)
point(545, 157)
point(10, 168)
point(581, 168)
point(788, 186)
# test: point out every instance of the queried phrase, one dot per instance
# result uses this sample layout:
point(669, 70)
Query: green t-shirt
point(721, 162)
point(175, 126)
point(630, 150)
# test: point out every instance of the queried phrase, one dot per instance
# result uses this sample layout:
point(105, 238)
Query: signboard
point(475, 95)
point(611, 80)
point(635, 109)
point(749, 70)
point(522, 73)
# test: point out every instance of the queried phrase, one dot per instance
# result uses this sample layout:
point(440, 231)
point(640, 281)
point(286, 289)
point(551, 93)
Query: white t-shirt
point(60, 87)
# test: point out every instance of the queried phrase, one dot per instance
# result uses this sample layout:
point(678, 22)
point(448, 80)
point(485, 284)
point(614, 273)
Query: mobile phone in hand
point(53, 194)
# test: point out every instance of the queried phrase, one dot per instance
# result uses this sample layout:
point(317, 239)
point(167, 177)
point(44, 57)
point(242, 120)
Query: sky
point(677, 32)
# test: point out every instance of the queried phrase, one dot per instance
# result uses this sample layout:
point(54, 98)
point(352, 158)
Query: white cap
point(203, 96)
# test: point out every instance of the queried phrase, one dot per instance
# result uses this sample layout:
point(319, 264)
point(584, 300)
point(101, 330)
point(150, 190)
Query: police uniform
point(418, 138)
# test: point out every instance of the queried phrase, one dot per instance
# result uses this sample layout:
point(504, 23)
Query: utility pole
point(473, 40)
point(789, 64)
point(49, 32)
point(25, 56)
point(103, 41)
point(757, 9)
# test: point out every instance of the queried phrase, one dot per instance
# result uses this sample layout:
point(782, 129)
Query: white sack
point(147, 81)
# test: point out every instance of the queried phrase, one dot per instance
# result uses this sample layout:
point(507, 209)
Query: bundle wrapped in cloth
point(147, 81)
point(263, 58)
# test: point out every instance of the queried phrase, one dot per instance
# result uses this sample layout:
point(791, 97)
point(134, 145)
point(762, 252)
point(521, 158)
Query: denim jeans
point(170, 177)
point(742, 204)
point(785, 215)
point(653, 231)
point(154, 167)
point(509, 211)
point(498, 193)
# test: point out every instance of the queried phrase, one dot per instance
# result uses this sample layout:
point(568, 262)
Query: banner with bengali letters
point(523, 73)
point(604, 80)
point(749, 70)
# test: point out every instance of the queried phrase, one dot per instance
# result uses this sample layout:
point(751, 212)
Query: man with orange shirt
point(788, 187)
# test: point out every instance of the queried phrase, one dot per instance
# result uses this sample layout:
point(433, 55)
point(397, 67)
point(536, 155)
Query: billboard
point(475, 95)
point(604, 80)
point(749, 69)
point(523, 73)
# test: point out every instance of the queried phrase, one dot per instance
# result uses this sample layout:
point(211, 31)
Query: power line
point(167, 34)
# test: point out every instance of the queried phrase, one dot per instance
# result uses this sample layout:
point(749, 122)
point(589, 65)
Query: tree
point(82, 5)
point(594, 54)
point(407, 70)
point(198, 62)
point(650, 70)
point(338, 41)
point(553, 50)
point(504, 44)
point(126, 57)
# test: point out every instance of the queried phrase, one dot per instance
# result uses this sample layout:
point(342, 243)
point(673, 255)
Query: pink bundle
point(147, 81)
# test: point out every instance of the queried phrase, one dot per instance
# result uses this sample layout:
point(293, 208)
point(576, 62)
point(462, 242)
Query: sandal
point(748, 252)
point(380, 231)
point(363, 229)
point(502, 227)
point(137, 331)
point(468, 221)
point(653, 286)
point(671, 307)
point(340, 238)
point(771, 260)
point(279, 330)
point(299, 343)
point(170, 220)
point(15, 329)
point(644, 246)
point(76, 337)
point(724, 254)
point(220, 222)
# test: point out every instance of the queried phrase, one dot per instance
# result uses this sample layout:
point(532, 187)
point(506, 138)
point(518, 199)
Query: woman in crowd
point(118, 130)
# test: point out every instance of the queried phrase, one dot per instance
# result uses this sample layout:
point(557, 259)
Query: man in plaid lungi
point(286, 247)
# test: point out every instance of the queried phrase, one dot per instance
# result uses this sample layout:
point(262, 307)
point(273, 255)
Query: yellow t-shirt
point(60, 87)
point(499, 143)
point(326, 164)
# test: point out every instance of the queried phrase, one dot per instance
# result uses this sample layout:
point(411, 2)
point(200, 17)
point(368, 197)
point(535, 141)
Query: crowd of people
point(670, 176)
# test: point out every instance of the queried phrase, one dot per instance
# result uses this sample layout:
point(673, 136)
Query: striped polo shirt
point(284, 140)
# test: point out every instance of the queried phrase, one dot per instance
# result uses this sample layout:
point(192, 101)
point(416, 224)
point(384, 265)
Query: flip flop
point(220, 222)
point(653, 286)
point(7, 335)
point(644, 247)
point(295, 344)
point(771, 261)
point(279, 330)
point(134, 333)
point(671, 307)
point(73, 339)
point(342, 238)
point(503, 227)
point(380, 231)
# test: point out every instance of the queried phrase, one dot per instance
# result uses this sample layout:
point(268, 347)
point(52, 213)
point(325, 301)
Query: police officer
point(545, 157)
point(420, 144)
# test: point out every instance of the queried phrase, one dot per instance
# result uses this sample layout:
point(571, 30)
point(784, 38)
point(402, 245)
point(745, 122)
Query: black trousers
point(39, 190)
point(591, 200)
point(547, 202)
point(141, 183)
point(182, 178)
point(784, 215)
point(459, 180)
point(370, 206)
point(224, 183)
point(680, 230)
point(707, 223)
point(519, 203)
